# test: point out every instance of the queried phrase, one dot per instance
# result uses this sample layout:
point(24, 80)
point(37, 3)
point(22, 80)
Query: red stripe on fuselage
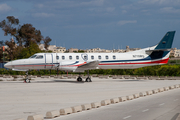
point(159, 61)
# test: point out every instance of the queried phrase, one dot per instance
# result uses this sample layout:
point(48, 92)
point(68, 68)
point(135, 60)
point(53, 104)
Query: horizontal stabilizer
point(158, 50)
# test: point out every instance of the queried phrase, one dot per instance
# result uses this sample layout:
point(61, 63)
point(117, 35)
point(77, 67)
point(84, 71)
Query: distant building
point(72, 50)
point(131, 49)
point(172, 52)
point(119, 51)
point(175, 52)
point(53, 48)
point(59, 50)
point(98, 50)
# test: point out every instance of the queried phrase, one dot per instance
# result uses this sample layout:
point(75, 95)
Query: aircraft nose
point(7, 65)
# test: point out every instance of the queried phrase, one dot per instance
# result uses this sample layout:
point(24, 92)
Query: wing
point(87, 66)
point(18, 70)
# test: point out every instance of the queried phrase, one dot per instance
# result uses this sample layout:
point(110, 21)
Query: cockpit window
point(39, 57)
point(33, 56)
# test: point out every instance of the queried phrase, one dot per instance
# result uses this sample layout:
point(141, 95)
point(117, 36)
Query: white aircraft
point(79, 62)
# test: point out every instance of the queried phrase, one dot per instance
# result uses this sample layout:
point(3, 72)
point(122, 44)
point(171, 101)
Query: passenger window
point(57, 57)
point(39, 57)
point(70, 57)
point(85, 57)
point(92, 57)
point(107, 57)
point(63, 57)
point(77, 57)
point(99, 57)
point(114, 57)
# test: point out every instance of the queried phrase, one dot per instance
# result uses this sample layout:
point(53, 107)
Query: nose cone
point(8, 65)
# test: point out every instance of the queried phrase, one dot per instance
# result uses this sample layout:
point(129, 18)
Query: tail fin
point(162, 50)
point(166, 42)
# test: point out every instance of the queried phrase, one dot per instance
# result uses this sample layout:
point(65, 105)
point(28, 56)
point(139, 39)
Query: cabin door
point(48, 61)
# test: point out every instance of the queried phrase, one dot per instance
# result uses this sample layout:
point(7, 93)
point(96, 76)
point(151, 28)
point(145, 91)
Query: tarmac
point(19, 100)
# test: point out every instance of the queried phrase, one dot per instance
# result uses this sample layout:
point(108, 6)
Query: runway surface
point(19, 100)
point(162, 106)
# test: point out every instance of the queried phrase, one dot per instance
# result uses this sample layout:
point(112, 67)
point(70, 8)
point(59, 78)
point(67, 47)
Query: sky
point(106, 24)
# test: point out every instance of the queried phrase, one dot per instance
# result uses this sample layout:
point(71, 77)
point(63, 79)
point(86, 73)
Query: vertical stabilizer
point(167, 40)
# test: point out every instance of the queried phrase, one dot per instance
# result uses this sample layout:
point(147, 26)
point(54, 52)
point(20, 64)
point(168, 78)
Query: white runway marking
point(127, 117)
point(161, 104)
point(145, 110)
point(176, 99)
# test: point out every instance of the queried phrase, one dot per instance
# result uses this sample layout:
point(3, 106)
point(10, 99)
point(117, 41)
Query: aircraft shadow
point(130, 80)
point(60, 81)
point(68, 81)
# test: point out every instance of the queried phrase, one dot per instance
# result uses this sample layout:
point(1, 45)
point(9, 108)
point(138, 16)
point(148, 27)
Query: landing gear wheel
point(27, 81)
point(88, 79)
point(79, 79)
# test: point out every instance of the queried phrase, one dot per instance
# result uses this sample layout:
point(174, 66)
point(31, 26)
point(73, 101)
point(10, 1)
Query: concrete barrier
point(52, 114)
point(45, 76)
point(65, 111)
point(76, 109)
point(73, 77)
point(176, 86)
point(171, 87)
point(153, 78)
point(166, 88)
point(136, 95)
point(32, 76)
point(104, 77)
point(105, 102)
point(171, 78)
point(114, 77)
point(94, 75)
point(114, 100)
point(155, 91)
point(120, 77)
point(60, 77)
point(130, 78)
point(161, 89)
point(130, 97)
point(142, 78)
point(122, 99)
point(35, 117)
point(150, 92)
point(7, 76)
point(177, 78)
point(95, 105)
point(86, 107)
point(69, 77)
point(142, 94)
point(18, 77)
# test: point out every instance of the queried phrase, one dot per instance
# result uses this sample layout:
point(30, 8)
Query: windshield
point(39, 57)
point(33, 56)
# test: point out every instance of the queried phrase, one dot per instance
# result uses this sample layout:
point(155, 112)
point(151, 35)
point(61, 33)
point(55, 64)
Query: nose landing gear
point(27, 80)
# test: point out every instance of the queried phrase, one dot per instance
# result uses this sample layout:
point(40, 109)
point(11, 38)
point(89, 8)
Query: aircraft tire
point(28, 81)
point(79, 79)
point(88, 79)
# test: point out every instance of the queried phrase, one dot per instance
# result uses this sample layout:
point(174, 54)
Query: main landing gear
point(88, 79)
point(27, 80)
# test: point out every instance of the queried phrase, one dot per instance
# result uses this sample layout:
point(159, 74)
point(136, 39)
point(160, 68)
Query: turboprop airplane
point(79, 62)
